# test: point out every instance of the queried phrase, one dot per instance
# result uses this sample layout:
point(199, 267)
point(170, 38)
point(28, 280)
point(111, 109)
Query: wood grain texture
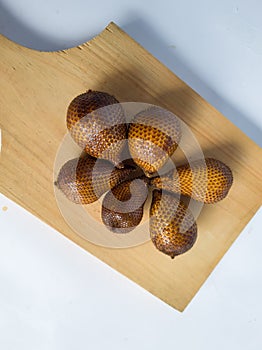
point(36, 88)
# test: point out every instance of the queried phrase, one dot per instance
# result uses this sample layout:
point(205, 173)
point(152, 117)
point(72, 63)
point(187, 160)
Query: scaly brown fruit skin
point(122, 207)
point(207, 181)
point(173, 229)
point(153, 136)
point(83, 180)
point(96, 122)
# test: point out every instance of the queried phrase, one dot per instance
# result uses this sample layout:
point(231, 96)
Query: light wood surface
point(36, 88)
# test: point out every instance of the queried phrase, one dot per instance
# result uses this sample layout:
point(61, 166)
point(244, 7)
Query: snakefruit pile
point(96, 122)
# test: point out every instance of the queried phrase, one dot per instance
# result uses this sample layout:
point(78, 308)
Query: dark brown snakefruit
point(122, 207)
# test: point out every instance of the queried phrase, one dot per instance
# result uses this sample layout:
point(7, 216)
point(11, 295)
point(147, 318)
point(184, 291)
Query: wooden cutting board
point(36, 88)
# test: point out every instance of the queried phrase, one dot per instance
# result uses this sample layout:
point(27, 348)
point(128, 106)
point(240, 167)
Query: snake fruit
point(153, 136)
point(173, 229)
point(122, 207)
point(208, 180)
point(96, 122)
point(83, 180)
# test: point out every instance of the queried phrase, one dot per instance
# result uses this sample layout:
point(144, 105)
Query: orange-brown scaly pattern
point(96, 122)
point(173, 229)
point(153, 136)
point(83, 180)
point(208, 181)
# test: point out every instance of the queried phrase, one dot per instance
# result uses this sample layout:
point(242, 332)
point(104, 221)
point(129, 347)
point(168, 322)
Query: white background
point(54, 295)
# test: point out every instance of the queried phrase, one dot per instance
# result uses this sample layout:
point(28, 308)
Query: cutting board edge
point(75, 240)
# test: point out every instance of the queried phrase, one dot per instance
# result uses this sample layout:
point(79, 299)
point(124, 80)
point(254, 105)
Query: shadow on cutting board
point(148, 37)
point(128, 87)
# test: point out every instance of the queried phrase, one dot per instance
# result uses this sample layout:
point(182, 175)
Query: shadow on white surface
point(20, 32)
point(148, 36)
